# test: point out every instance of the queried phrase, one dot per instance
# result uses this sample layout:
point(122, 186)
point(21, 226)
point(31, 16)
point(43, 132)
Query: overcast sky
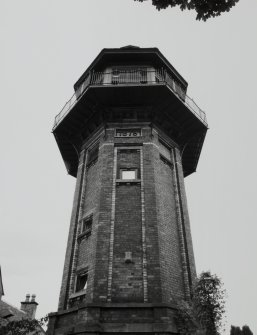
point(45, 46)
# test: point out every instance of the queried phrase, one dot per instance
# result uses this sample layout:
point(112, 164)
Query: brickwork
point(146, 218)
point(157, 200)
point(71, 237)
point(102, 250)
point(91, 189)
point(127, 276)
point(186, 221)
point(122, 315)
point(151, 229)
point(86, 244)
point(115, 318)
point(181, 222)
point(143, 225)
point(76, 242)
point(170, 253)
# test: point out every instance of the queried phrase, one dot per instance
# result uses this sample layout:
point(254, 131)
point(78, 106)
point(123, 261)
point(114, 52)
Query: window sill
point(78, 294)
point(85, 234)
point(93, 162)
point(128, 181)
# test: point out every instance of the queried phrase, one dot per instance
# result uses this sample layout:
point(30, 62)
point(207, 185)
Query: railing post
point(162, 72)
point(92, 78)
point(89, 78)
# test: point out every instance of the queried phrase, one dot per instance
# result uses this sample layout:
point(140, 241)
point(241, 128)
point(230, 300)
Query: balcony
point(130, 77)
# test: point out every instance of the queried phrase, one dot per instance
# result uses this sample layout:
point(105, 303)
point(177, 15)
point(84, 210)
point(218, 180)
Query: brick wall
point(127, 277)
point(127, 283)
point(152, 239)
point(186, 222)
point(84, 247)
point(101, 265)
point(147, 218)
point(170, 255)
point(72, 236)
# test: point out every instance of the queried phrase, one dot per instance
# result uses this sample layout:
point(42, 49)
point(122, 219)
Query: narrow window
point(87, 225)
point(115, 77)
point(92, 155)
point(143, 76)
point(128, 174)
point(81, 284)
point(166, 161)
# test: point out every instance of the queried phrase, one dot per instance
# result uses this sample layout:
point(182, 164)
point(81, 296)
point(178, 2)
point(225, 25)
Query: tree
point(186, 318)
point(206, 308)
point(209, 302)
point(246, 330)
point(205, 9)
point(237, 331)
point(22, 327)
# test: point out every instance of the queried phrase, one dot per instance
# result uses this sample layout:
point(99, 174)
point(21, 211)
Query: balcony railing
point(142, 77)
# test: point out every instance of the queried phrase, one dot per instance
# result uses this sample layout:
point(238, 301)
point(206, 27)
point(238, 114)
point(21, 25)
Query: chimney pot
point(29, 306)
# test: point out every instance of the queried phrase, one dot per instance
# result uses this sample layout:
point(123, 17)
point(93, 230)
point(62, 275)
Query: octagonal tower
point(130, 134)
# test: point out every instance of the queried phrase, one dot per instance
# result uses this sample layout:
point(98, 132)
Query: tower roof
point(139, 79)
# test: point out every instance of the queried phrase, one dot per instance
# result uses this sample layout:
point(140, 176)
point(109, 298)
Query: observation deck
point(133, 77)
point(132, 85)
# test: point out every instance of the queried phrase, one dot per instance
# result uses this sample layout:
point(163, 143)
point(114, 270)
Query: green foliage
point(205, 9)
point(206, 309)
point(22, 327)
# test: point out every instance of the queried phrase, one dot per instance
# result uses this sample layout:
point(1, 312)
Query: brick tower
point(130, 135)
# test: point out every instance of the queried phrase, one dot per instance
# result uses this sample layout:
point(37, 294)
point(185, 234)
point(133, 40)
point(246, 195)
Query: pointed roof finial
point(130, 47)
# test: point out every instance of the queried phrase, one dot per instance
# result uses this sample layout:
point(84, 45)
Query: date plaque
point(128, 132)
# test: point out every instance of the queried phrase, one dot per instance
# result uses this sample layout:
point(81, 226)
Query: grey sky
point(45, 46)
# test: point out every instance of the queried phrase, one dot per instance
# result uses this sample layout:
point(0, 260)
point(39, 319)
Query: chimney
point(29, 306)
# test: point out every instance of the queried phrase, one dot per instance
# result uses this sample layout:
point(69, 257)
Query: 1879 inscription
point(128, 132)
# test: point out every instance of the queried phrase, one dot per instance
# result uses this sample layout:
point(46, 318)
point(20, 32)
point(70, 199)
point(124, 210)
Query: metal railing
point(130, 77)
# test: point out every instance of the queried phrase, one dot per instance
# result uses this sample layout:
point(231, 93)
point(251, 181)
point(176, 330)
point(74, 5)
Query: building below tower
point(21, 318)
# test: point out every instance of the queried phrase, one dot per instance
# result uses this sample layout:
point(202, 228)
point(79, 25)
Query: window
point(92, 155)
point(143, 76)
point(115, 76)
point(166, 161)
point(159, 75)
point(81, 284)
point(87, 225)
point(126, 75)
point(128, 174)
